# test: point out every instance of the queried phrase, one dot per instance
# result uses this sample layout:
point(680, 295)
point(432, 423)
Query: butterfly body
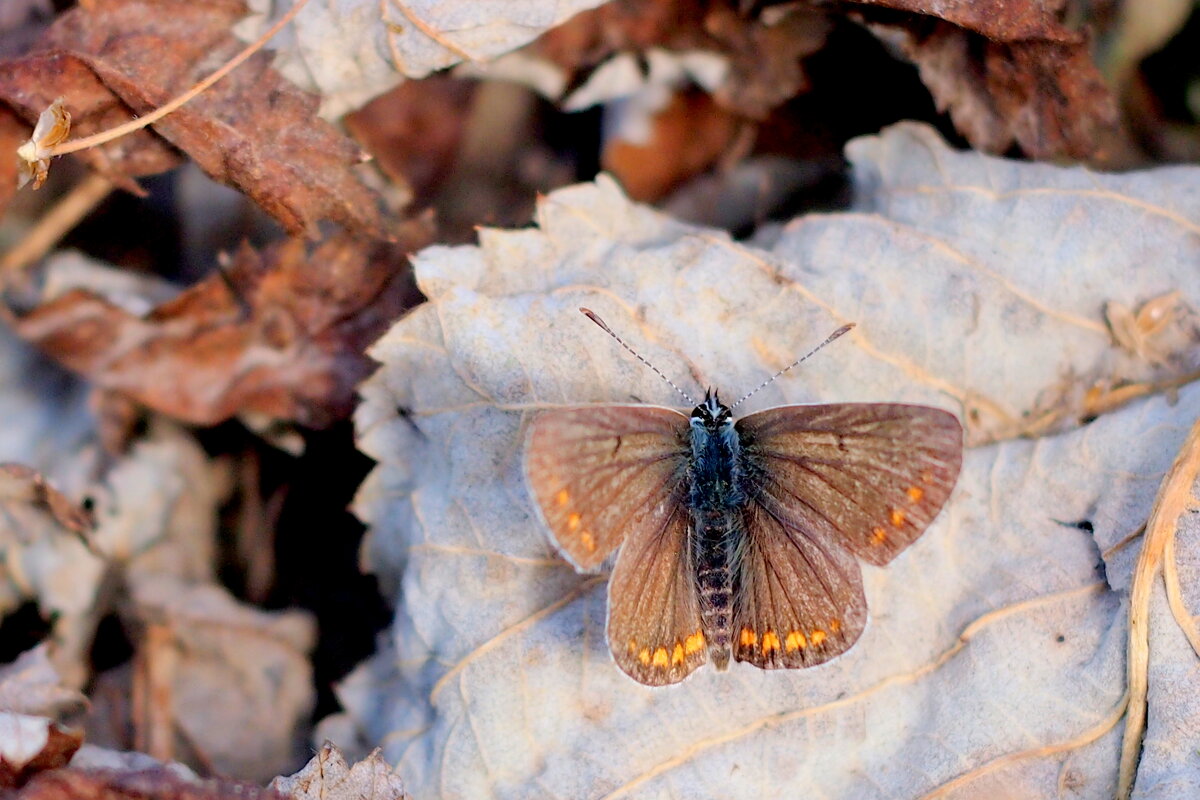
point(737, 539)
point(716, 495)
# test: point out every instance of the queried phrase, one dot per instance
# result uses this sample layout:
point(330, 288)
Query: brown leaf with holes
point(279, 332)
point(1007, 73)
point(116, 59)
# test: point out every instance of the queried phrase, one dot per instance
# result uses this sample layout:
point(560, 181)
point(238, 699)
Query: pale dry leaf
point(237, 679)
point(154, 512)
point(327, 776)
point(31, 685)
point(156, 508)
point(353, 50)
point(49, 561)
point(44, 408)
point(993, 662)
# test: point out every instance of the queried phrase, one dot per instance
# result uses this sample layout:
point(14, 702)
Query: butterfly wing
point(828, 483)
point(867, 476)
point(654, 624)
point(599, 472)
point(606, 474)
point(800, 600)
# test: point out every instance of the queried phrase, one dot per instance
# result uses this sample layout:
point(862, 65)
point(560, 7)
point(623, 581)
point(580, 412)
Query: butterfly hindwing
point(866, 476)
point(654, 624)
point(800, 598)
point(599, 473)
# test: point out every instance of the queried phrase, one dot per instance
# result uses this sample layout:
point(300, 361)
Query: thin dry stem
point(1173, 500)
point(55, 224)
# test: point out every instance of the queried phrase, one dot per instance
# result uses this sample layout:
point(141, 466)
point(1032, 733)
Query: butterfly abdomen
point(714, 543)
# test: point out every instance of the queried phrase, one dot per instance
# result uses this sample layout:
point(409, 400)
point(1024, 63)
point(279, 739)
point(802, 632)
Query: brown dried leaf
point(279, 332)
point(253, 130)
point(31, 83)
point(415, 130)
point(29, 745)
point(1007, 72)
point(156, 783)
point(686, 137)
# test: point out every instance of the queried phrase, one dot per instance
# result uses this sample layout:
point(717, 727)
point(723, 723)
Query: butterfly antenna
point(770, 380)
point(594, 317)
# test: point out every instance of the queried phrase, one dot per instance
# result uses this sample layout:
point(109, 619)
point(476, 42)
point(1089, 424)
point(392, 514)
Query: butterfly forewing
point(800, 600)
point(600, 473)
point(654, 625)
point(866, 476)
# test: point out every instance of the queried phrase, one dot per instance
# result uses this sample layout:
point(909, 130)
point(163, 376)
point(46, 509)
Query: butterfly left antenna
point(770, 380)
point(594, 317)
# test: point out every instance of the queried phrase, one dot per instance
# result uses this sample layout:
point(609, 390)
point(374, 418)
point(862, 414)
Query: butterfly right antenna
point(798, 361)
point(594, 317)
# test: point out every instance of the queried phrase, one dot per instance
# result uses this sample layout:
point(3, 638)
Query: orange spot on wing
point(644, 656)
point(878, 536)
point(770, 642)
point(816, 637)
point(573, 521)
point(896, 517)
point(835, 625)
point(677, 655)
point(563, 497)
point(748, 638)
point(693, 643)
point(915, 493)
point(926, 477)
point(588, 541)
point(631, 647)
point(795, 641)
point(661, 658)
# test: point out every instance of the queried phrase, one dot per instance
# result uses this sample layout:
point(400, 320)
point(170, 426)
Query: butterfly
point(738, 538)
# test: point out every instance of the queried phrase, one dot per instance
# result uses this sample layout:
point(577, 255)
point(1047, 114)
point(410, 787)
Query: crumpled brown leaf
point(1007, 72)
point(115, 59)
point(280, 332)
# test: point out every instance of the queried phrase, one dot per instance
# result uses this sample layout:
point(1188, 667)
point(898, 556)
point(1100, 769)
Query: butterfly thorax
point(716, 497)
point(716, 473)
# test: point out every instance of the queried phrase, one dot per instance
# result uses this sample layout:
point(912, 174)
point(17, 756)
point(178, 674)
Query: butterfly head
point(712, 414)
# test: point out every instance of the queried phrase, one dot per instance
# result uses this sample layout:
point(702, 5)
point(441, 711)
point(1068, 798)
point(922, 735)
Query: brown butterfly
point(737, 538)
